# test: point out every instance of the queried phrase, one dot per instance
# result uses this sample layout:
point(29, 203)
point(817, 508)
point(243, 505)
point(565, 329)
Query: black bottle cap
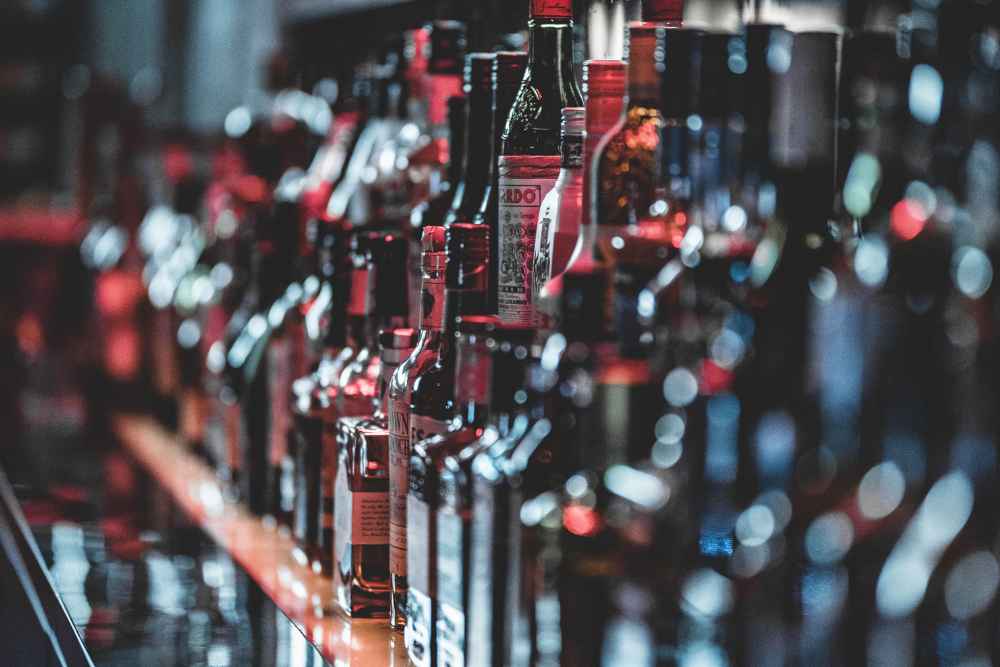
point(447, 47)
point(715, 74)
point(388, 259)
point(584, 304)
point(678, 52)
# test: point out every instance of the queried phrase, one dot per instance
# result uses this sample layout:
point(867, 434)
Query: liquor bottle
point(529, 157)
point(361, 503)
point(604, 88)
point(436, 161)
point(367, 87)
point(485, 395)
point(508, 71)
point(513, 410)
point(478, 142)
point(432, 411)
point(422, 358)
point(561, 211)
point(600, 414)
point(638, 202)
point(313, 409)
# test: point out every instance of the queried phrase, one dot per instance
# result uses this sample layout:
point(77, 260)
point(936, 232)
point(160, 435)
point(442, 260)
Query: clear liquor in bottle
point(529, 158)
point(432, 411)
point(422, 358)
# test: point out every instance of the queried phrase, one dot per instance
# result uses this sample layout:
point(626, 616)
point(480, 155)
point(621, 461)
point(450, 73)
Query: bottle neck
point(432, 291)
point(550, 47)
point(643, 79)
point(572, 152)
point(478, 162)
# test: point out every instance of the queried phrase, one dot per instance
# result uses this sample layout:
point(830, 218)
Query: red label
point(551, 9)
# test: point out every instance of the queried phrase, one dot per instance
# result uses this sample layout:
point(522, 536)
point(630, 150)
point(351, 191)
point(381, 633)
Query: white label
point(417, 634)
point(451, 637)
point(520, 202)
point(417, 538)
point(362, 517)
point(342, 518)
point(399, 475)
point(544, 244)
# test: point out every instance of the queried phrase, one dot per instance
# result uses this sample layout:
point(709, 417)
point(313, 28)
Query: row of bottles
point(690, 365)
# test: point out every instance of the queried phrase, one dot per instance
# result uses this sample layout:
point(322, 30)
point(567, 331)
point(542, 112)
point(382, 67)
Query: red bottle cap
point(662, 10)
point(604, 77)
point(551, 9)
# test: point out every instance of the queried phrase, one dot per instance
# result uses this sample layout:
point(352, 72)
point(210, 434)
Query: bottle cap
point(604, 78)
point(478, 79)
point(551, 9)
point(447, 47)
point(677, 55)
point(663, 11)
point(432, 239)
point(397, 339)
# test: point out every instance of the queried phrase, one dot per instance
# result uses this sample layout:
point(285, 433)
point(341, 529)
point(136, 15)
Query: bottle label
point(233, 424)
point(551, 9)
point(417, 634)
point(399, 482)
point(422, 428)
point(419, 618)
point(342, 521)
point(481, 574)
point(524, 184)
point(541, 272)
point(451, 619)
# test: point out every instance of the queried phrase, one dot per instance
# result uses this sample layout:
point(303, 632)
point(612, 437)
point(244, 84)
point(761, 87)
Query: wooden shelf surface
point(266, 553)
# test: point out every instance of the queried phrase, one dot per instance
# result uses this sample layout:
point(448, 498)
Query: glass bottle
point(432, 411)
point(508, 71)
point(361, 503)
point(435, 165)
point(634, 218)
point(529, 157)
point(514, 408)
point(478, 142)
point(311, 409)
point(559, 217)
point(422, 358)
point(485, 393)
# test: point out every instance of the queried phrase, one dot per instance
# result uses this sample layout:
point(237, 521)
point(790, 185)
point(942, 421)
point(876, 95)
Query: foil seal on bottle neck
point(559, 10)
point(603, 78)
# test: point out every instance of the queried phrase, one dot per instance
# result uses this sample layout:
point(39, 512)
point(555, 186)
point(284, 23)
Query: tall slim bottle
point(626, 166)
point(559, 218)
point(432, 411)
point(478, 142)
point(529, 159)
point(421, 358)
point(508, 70)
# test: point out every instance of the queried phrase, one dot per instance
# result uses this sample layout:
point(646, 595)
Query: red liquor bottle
point(529, 158)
